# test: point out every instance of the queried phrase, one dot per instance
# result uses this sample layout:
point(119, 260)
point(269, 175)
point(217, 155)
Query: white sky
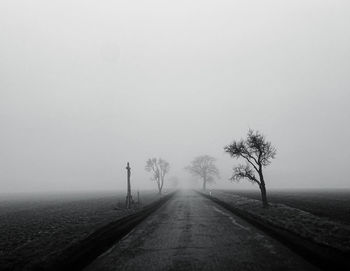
point(86, 86)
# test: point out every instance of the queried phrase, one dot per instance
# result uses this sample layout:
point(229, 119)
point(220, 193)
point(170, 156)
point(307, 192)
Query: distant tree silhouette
point(258, 153)
point(204, 167)
point(159, 168)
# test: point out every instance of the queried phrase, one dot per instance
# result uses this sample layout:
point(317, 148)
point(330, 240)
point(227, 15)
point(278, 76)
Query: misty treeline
point(254, 150)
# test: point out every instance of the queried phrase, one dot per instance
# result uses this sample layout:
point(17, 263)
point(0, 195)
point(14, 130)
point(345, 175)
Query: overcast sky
point(86, 86)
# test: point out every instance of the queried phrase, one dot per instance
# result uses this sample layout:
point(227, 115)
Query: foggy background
point(86, 86)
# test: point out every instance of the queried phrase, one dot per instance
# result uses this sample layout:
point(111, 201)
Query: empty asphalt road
point(191, 232)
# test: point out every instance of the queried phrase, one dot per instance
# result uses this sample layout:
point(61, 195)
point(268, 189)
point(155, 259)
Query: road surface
point(191, 232)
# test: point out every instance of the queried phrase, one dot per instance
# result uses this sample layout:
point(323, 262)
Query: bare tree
point(258, 153)
point(204, 167)
point(159, 168)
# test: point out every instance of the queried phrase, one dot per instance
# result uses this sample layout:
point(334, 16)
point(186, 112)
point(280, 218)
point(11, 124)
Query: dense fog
point(86, 86)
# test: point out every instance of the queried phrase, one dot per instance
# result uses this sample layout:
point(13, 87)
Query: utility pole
point(128, 195)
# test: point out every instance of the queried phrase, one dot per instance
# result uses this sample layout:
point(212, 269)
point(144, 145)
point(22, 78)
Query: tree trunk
point(264, 196)
point(159, 187)
point(204, 185)
point(263, 189)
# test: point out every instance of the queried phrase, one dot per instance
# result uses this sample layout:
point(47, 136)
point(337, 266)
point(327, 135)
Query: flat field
point(333, 204)
point(34, 229)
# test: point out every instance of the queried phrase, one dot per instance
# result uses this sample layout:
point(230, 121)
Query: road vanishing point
point(191, 232)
